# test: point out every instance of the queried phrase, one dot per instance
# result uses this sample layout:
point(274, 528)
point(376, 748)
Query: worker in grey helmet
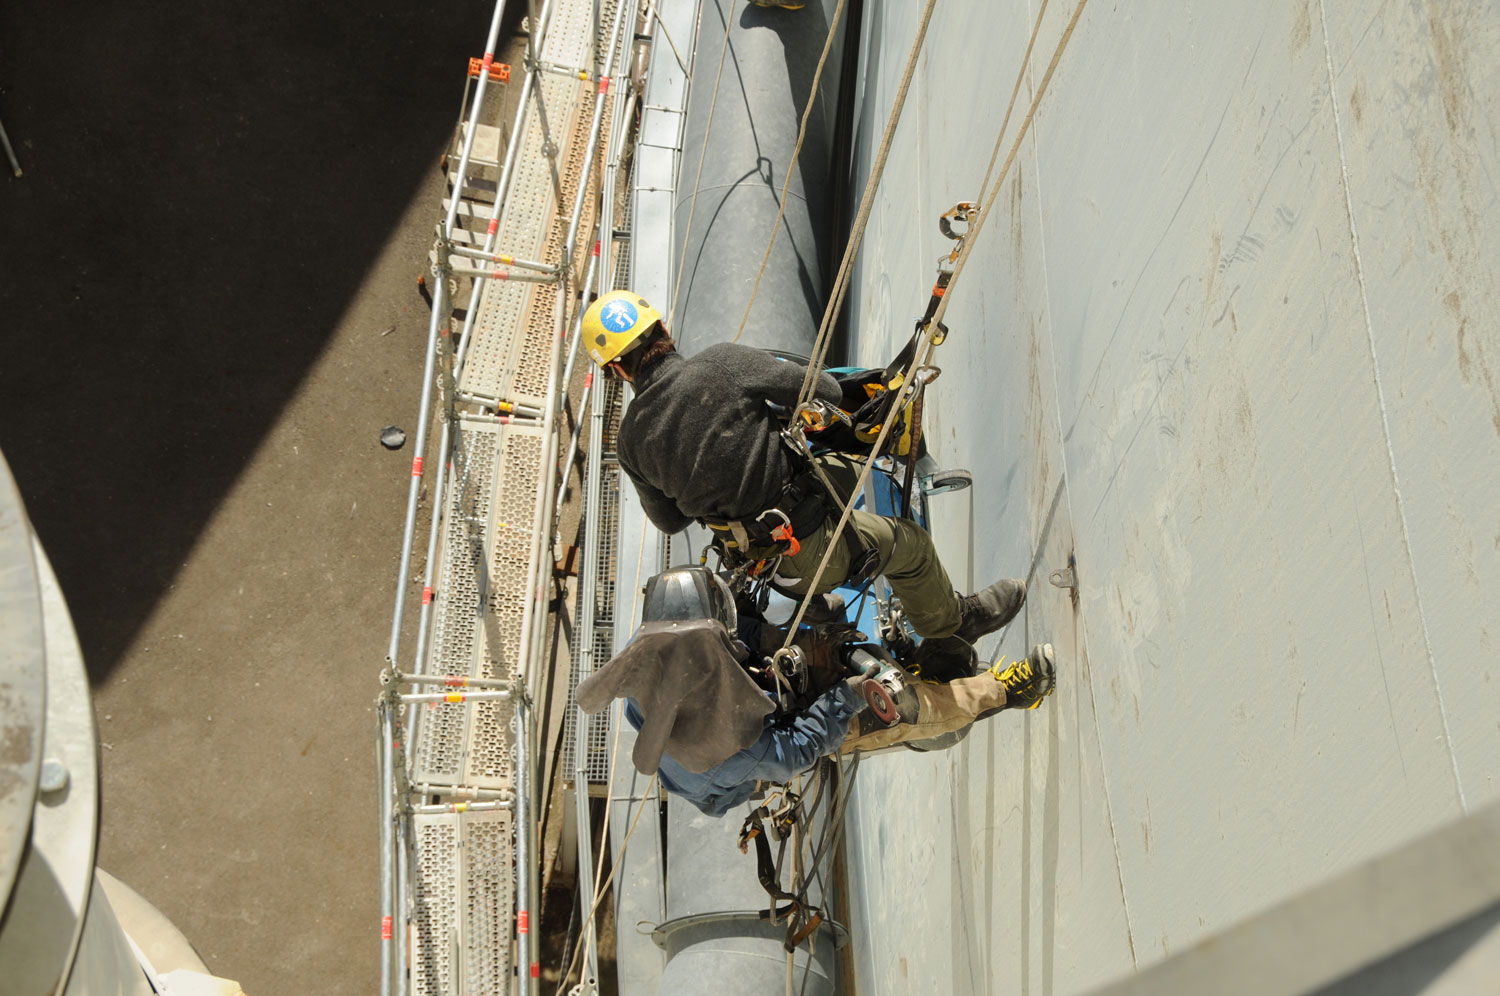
point(712, 734)
point(701, 443)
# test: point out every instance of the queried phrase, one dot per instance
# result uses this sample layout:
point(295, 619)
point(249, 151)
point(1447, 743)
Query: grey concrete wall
point(1229, 338)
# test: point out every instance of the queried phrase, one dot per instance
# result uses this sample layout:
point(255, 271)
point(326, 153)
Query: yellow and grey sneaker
point(1028, 682)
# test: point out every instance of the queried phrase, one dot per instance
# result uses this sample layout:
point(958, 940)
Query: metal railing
point(425, 822)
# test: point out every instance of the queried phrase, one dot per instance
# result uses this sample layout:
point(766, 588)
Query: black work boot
point(825, 608)
point(944, 659)
point(990, 608)
point(1028, 682)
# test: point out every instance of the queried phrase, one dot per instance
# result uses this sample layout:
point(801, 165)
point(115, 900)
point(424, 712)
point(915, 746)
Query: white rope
point(856, 236)
point(926, 344)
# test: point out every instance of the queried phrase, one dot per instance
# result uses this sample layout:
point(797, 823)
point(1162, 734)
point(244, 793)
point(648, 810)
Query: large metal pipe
point(710, 943)
point(762, 92)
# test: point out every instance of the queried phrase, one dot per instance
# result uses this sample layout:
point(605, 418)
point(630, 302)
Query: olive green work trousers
point(940, 709)
point(906, 557)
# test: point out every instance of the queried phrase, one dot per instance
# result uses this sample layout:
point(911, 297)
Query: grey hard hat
point(689, 593)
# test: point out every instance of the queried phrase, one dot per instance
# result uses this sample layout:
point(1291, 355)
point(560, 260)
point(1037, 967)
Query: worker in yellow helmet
point(615, 323)
point(701, 442)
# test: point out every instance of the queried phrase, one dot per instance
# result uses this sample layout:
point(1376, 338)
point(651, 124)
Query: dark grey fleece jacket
point(698, 438)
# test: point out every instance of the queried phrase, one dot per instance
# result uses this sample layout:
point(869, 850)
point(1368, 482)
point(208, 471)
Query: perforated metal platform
point(514, 322)
point(463, 904)
point(463, 897)
point(483, 558)
point(597, 756)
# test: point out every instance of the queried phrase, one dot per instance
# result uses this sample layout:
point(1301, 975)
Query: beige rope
point(856, 236)
point(812, 96)
point(1015, 91)
point(989, 200)
point(651, 6)
point(599, 890)
point(926, 345)
point(713, 105)
point(614, 758)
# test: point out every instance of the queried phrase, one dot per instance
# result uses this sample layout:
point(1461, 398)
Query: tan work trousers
point(905, 553)
point(940, 709)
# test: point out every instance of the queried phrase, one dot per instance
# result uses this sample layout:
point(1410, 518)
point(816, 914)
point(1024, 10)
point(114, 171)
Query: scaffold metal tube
point(463, 807)
point(470, 792)
point(438, 679)
point(425, 617)
point(530, 647)
point(472, 132)
point(470, 252)
point(507, 170)
point(384, 733)
point(395, 824)
point(479, 273)
point(600, 278)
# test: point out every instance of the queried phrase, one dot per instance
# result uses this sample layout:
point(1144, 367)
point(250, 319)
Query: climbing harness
point(771, 819)
point(757, 543)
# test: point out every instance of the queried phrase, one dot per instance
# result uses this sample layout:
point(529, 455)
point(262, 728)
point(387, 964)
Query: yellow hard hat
point(613, 324)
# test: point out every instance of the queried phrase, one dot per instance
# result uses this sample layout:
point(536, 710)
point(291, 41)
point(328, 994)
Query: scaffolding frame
point(468, 832)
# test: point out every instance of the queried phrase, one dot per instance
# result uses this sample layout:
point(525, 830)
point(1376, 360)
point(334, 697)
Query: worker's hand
point(858, 669)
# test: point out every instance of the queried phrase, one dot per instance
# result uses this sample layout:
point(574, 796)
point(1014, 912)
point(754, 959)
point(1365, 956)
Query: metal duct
point(762, 92)
point(713, 938)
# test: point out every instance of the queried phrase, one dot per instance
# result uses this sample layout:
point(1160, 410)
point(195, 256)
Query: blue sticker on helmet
point(618, 316)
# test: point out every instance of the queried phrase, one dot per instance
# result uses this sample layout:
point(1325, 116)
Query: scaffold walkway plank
point(514, 323)
point(462, 904)
point(480, 598)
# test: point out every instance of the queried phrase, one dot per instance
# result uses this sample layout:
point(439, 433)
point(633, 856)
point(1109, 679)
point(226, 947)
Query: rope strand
point(857, 234)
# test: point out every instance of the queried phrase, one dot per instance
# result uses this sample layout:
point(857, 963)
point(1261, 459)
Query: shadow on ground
point(206, 186)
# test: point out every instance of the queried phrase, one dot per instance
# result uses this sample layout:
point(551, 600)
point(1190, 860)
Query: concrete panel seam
point(1385, 422)
point(1063, 491)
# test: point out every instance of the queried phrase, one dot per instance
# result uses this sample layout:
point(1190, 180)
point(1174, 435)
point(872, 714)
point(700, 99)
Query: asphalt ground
point(208, 306)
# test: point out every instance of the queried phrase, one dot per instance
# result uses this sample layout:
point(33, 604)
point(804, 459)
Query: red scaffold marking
point(523, 922)
point(494, 226)
point(416, 467)
point(385, 929)
point(487, 61)
point(596, 247)
point(536, 970)
point(588, 381)
point(427, 595)
point(498, 70)
point(603, 83)
point(456, 682)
